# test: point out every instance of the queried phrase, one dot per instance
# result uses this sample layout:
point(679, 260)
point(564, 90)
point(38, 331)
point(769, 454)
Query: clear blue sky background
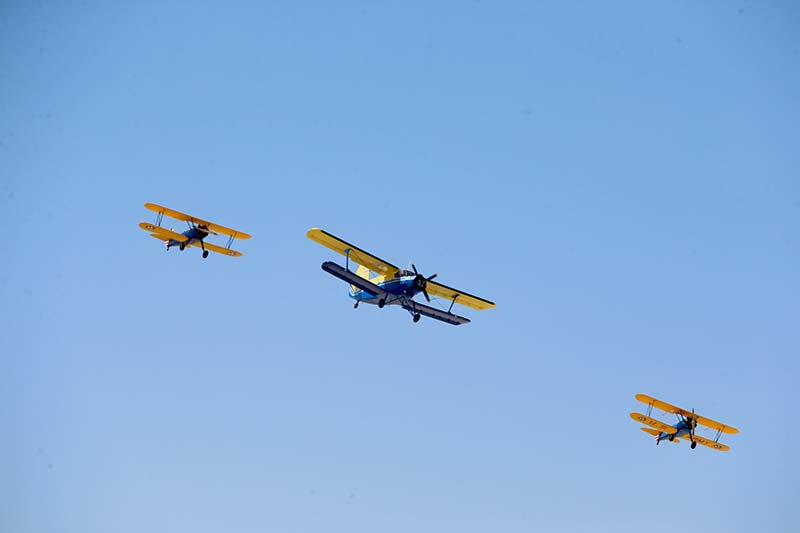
point(620, 178)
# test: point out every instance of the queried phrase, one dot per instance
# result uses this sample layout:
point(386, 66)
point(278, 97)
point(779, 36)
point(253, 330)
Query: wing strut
point(650, 409)
point(453, 302)
point(230, 240)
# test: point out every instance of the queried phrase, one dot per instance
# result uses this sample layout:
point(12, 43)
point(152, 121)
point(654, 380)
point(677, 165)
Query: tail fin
point(362, 272)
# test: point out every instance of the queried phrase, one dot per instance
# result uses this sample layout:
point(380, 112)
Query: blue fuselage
point(193, 234)
point(683, 431)
point(400, 287)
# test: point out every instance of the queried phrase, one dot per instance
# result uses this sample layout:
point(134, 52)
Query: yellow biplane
point(684, 428)
point(198, 230)
point(381, 283)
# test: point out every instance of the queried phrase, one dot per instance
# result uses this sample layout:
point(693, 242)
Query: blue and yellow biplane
point(198, 230)
point(381, 283)
point(684, 428)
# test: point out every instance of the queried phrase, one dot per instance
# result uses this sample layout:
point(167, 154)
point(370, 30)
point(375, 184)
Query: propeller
point(691, 421)
point(421, 282)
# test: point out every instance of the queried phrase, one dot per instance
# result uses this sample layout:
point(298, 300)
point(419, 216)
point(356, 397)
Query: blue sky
point(621, 179)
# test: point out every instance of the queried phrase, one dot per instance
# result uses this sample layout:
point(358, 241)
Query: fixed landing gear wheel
point(694, 445)
point(416, 317)
point(671, 438)
point(205, 254)
point(381, 303)
point(183, 246)
point(355, 305)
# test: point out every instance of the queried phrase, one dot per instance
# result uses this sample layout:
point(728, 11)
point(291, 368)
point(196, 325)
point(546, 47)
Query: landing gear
point(355, 305)
point(694, 445)
point(205, 254)
point(381, 303)
point(416, 317)
point(182, 246)
point(671, 437)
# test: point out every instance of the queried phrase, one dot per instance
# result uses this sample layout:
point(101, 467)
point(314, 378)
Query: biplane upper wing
point(664, 406)
point(219, 249)
point(177, 215)
point(162, 233)
point(345, 275)
point(652, 422)
point(461, 297)
point(438, 314)
point(713, 424)
point(355, 253)
point(714, 445)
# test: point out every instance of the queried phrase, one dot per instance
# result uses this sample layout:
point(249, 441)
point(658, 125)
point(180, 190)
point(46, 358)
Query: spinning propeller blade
point(421, 282)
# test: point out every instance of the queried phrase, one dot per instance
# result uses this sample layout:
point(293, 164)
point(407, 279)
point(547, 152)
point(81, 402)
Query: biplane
point(381, 283)
point(684, 428)
point(198, 230)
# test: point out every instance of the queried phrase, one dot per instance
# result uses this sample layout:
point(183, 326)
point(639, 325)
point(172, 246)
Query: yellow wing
point(463, 298)
point(711, 444)
point(177, 215)
point(664, 406)
point(355, 253)
point(713, 424)
point(219, 249)
point(652, 422)
point(162, 233)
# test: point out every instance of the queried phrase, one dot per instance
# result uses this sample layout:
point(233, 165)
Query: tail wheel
point(381, 303)
point(205, 254)
point(416, 317)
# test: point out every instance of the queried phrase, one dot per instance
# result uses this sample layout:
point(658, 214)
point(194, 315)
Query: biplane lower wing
point(162, 233)
point(432, 312)
point(219, 249)
point(653, 423)
point(354, 253)
point(177, 215)
point(345, 275)
point(714, 445)
point(669, 408)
